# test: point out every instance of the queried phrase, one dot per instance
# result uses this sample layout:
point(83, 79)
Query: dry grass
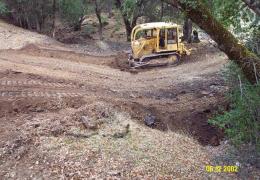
point(143, 152)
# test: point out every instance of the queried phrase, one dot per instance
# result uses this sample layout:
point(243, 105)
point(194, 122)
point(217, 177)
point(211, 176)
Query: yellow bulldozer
point(156, 44)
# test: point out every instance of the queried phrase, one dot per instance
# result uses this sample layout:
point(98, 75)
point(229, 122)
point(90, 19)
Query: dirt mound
point(121, 62)
point(194, 124)
point(197, 52)
point(15, 37)
point(31, 47)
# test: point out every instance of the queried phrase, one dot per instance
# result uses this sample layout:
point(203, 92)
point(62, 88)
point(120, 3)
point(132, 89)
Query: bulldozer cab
point(153, 38)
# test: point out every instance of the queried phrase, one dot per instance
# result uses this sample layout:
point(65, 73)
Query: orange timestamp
point(222, 169)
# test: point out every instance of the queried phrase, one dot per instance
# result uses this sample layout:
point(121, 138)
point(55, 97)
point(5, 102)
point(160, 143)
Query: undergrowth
point(242, 122)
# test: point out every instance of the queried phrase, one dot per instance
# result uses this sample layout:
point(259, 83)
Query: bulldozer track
point(35, 83)
point(39, 94)
point(32, 88)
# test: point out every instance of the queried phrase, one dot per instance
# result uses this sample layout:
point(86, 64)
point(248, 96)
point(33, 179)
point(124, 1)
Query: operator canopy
point(157, 25)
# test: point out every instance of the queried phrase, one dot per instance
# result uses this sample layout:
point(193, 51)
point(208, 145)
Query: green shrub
point(72, 11)
point(3, 9)
point(88, 29)
point(242, 122)
point(118, 23)
point(104, 20)
point(253, 43)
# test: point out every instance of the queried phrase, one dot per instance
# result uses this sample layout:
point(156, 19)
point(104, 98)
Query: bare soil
point(168, 104)
point(47, 89)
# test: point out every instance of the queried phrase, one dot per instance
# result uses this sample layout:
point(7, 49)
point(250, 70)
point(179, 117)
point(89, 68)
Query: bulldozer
point(156, 44)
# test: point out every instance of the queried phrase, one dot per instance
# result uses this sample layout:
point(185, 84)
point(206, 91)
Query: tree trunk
point(125, 18)
point(236, 52)
point(100, 29)
point(134, 22)
point(128, 29)
point(187, 30)
point(254, 5)
point(98, 14)
point(162, 10)
point(77, 25)
point(110, 9)
point(54, 9)
point(38, 25)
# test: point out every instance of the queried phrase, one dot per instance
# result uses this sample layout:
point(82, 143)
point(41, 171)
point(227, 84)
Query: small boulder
point(149, 120)
point(89, 123)
point(204, 93)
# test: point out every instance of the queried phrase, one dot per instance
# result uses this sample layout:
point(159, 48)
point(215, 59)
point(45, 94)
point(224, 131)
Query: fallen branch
point(81, 135)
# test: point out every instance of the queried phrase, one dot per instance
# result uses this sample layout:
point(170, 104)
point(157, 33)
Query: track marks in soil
point(32, 88)
point(13, 107)
point(48, 94)
point(35, 83)
point(20, 85)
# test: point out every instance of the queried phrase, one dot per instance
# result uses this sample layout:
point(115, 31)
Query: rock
point(36, 125)
point(39, 109)
point(102, 45)
point(114, 173)
point(205, 93)
point(57, 130)
point(105, 114)
point(214, 141)
point(89, 123)
point(183, 92)
point(150, 120)
point(238, 164)
point(132, 95)
point(207, 111)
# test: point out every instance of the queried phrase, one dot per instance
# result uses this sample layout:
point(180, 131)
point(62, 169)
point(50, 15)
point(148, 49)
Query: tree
point(3, 8)
point(54, 17)
point(29, 14)
point(235, 15)
point(199, 14)
point(73, 12)
point(131, 10)
point(254, 5)
point(99, 5)
point(162, 10)
point(187, 30)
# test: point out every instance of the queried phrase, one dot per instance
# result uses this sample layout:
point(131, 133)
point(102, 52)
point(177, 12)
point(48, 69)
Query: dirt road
point(172, 94)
